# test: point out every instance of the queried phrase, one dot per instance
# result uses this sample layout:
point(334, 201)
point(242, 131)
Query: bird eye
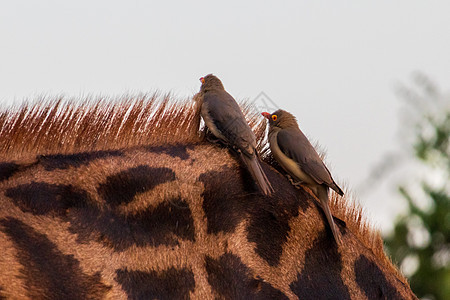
point(274, 117)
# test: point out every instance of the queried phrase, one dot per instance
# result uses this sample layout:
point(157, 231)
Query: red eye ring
point(274, 117)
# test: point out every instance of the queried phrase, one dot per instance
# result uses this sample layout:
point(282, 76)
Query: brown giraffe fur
point(128, 200)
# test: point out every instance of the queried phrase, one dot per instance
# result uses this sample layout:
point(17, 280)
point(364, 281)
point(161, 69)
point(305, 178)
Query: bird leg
point(295, 184)
point(299, 184)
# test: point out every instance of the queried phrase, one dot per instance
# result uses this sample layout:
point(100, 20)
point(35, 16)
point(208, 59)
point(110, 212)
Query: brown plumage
point(224, 118)
point(297, 156)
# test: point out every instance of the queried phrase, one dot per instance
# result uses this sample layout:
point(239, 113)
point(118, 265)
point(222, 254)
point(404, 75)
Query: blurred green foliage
point(420, 242)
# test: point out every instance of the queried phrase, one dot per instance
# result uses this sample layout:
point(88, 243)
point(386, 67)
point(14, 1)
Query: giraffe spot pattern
point(168, 284)
point(48, 273)
point(231, 279)
point(321, 274)
point(225, 207)
point(372, 281)
point(2, 297)
point(269, 229)
point(179, 151)
point(7, 169)
point(64, 161)
point(164, 224)
point(43, 198)
point(122, 187)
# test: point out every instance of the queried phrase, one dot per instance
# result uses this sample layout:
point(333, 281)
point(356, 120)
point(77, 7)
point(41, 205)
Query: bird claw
point(299, 184)
point(295, 184)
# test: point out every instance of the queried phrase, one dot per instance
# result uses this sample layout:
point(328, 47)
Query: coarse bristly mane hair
point(69, 126)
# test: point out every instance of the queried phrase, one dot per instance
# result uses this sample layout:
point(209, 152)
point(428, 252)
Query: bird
point(224, 118)
point(293, 151)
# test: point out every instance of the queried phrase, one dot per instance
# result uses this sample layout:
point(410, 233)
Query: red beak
point(202, 79)
point(266, 115)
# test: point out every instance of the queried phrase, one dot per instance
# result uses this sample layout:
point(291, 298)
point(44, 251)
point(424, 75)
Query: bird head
point(210, 82)
point(280, 118)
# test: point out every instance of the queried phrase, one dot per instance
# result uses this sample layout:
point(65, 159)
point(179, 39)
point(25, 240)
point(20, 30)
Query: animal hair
point(67, 126)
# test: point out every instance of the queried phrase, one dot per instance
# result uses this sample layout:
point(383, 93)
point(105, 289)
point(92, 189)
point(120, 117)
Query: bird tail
point(337, 189)
point(255, 169)
point(323, 197)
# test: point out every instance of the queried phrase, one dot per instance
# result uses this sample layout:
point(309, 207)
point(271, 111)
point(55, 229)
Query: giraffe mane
point(66, 126)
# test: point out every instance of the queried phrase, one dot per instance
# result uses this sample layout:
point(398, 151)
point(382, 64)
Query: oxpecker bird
point(299, 159)
point(224, 118)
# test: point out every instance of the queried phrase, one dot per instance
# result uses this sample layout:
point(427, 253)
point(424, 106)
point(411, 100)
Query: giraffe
point(127, 200)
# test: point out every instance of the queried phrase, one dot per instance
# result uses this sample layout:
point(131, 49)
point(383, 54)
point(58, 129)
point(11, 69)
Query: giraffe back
point(173, 220)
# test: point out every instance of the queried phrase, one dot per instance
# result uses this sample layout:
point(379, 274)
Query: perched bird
point(299, 159)
point(224, 118)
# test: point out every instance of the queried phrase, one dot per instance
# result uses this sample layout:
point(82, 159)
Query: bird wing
point(294, 144)
point(230, 121)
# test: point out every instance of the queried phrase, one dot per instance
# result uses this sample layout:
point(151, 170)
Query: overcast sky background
point(334, 64)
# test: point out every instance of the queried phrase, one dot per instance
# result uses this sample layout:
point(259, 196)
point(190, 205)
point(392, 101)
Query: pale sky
point(334, 64)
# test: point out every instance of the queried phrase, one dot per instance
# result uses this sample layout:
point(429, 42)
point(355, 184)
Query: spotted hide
point(112, 202)
point(176, 222)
